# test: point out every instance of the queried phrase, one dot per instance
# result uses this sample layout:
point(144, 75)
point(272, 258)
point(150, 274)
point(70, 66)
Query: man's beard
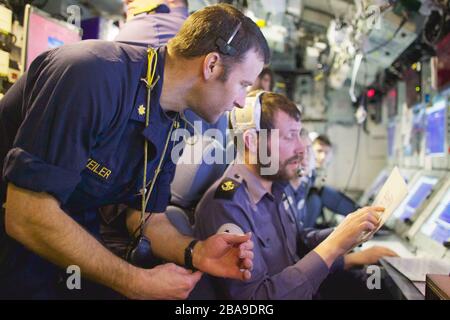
point(283, 174)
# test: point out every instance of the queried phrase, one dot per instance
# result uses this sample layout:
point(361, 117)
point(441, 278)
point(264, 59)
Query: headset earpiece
point(225, 47)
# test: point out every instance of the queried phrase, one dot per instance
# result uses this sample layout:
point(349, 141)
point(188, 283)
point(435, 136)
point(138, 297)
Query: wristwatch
point(188, 255)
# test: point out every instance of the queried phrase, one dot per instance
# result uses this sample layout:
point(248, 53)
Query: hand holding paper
point(391, 195)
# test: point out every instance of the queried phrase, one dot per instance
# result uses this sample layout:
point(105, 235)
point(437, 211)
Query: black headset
point(225, 47)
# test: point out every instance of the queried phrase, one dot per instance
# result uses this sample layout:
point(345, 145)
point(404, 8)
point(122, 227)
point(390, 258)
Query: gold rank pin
point(141, 110)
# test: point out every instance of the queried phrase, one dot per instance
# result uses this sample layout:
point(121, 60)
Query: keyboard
point(416, 269)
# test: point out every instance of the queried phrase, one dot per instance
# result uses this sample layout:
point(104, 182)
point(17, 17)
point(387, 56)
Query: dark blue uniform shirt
point(73, 127)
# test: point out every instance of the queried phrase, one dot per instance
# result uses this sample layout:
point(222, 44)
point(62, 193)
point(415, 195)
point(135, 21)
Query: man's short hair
point(200, 32)
point(274, 102)
point(323, 139)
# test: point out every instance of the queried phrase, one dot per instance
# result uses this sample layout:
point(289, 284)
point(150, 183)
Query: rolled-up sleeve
point(30, 172)
point(298, 281)
point(63, 118)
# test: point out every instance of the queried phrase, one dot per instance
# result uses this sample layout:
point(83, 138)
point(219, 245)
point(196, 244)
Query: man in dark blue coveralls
point(72, 134)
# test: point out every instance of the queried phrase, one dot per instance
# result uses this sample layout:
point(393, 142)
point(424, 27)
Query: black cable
point(364, 126)
point(358, 134)
point(358, 138)
point(380, 46)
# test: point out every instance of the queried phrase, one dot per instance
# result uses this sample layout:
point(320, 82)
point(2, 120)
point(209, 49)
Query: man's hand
point(221, 255)
point(225, 255)
point(367, 257)
point(164, 282)
point(348, 233)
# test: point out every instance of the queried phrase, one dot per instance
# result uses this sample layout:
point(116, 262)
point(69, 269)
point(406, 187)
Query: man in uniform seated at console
point(290, 262)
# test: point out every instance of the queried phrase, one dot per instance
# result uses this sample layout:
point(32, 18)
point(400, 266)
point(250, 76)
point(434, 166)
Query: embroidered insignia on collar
point(226, 189)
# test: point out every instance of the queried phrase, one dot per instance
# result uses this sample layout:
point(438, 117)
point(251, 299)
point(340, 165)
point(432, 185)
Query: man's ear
point(211, 66)
point(251, 140)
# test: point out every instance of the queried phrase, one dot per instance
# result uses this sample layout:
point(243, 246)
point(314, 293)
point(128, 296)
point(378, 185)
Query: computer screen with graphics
point(435, 128)
point(437, 227)
point(43, 33)
point(417, 195)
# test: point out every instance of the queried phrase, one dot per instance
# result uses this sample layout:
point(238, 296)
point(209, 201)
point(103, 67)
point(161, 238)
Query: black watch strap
point(188, 255)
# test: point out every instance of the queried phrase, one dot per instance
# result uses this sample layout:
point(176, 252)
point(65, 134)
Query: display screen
point(417, 195)
point(435, 128)
point(45, 33)
point(437, 227)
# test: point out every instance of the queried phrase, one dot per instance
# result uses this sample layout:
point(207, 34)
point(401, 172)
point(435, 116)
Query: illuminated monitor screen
point(391, 139)
point(435, 128)
point(44, 33)
point(437, 227)
point(417, 195)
